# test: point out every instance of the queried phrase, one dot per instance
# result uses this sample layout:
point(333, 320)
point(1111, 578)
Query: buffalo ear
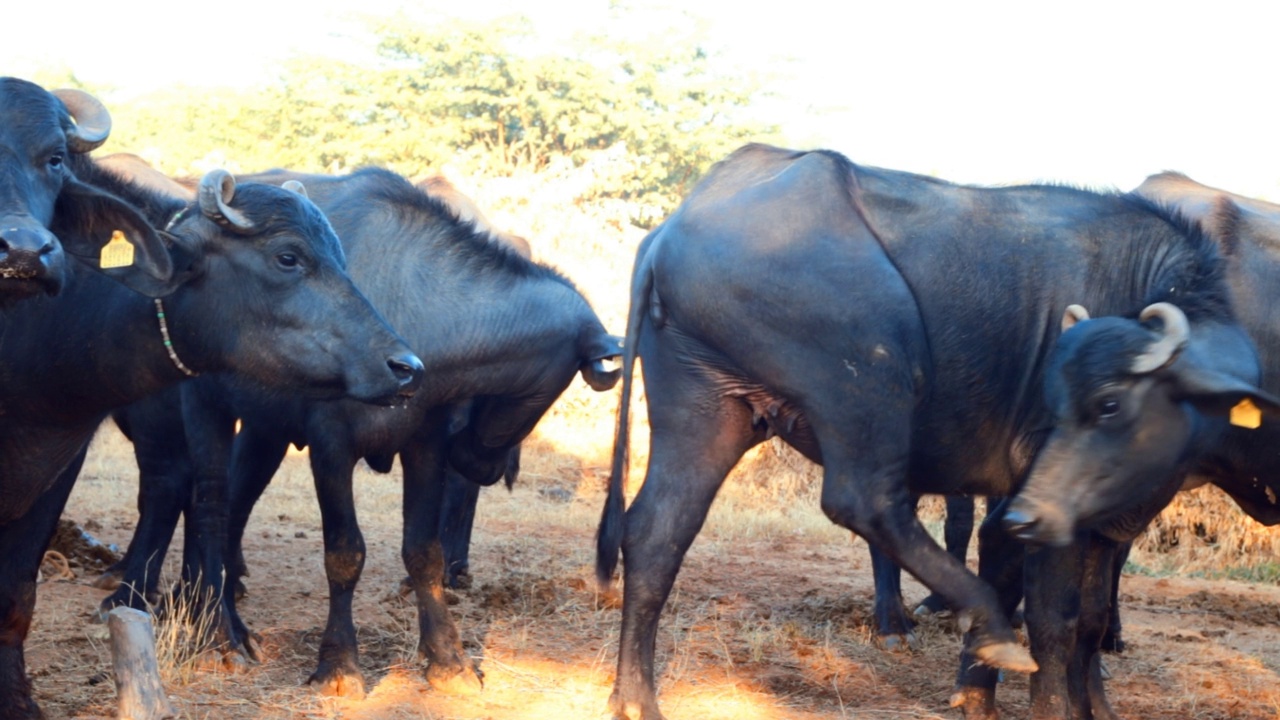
point(1216, 393)
point(85, 219)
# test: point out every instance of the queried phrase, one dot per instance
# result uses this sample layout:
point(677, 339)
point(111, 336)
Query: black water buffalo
point(259, 289)
point(1245, 464)
point(898, 330)
point(1243, 461)
point(509, 339)
point(1111, 455)
point(155, 426)
point(40, 135)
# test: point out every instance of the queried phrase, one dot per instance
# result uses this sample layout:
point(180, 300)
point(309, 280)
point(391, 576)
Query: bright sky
point(1101, 93)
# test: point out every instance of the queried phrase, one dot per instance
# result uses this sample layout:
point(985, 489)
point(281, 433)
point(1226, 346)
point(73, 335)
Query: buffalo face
point(1135, 401)
point(44, 210)
point(266, 294)
point(34, 165)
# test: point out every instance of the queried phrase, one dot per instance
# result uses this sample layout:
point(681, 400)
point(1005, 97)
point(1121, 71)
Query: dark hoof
point(241, 592)
point(253, 647)
point(975, 703)
point(932, 605)
point(455, 681)
point(460, 580)
point(898, 642)
point(340, 682)
point(125, 596)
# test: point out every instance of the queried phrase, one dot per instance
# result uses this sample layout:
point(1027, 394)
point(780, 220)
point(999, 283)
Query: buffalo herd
point(1078, 357)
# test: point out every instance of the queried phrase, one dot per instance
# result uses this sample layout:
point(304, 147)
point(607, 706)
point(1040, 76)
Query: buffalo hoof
point(620, 710)
point(459, 579)
point(1006, 656)
point(338, 682)
point(898, 642)
point(455, 681)
point(975, 703)
point(125, 596)
point(253, 647)
point(110, 579)
point(932, 606)
point(226, 661)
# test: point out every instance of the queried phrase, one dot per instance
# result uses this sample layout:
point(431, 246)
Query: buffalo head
point(40, 132)
point(1135, 401)
point(263, 291)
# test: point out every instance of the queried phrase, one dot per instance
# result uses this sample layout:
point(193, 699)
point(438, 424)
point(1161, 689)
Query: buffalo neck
point(486, 343)
point(473, 312)
point(95, 347)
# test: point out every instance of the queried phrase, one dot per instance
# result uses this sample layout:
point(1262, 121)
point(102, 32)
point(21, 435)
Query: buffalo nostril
point(37, 242)
point(408, 370)
point(1020, 524)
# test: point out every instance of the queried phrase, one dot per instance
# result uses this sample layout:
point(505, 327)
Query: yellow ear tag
point(1246, 415)
point(118, 252)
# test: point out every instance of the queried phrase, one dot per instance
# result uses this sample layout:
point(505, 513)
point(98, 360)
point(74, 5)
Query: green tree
point(646, 116)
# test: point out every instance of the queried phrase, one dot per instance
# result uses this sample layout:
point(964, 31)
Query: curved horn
point(294, 186)
point(1172, 339)
point(217, 188)
point(92, 121)
point(1073, 315)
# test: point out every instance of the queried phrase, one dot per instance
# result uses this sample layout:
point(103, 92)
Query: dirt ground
point(770, 618)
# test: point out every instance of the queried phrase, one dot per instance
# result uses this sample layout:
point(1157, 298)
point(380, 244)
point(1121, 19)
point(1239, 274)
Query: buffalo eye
point(1107, 407)
point(287, 260)
point(56, 160)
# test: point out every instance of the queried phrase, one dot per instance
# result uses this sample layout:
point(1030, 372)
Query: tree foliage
point(650, 114)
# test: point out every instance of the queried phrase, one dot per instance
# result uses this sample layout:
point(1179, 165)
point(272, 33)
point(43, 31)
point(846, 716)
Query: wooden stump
point(133, 657)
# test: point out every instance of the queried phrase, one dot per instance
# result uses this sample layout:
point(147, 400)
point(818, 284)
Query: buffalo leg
point(1000, 564)
point(332, 465)
point(696, 437)
point(956, 533)
point(449, 668)
point(165, 483)
point(210, 430)
point(893, 627)
point(864, 489)
point(255, 457)
point(1068, 602)
point(456, 520)
point(1112, 639)
point(1054, 604)
point(23, 542)
point(1096, 605)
